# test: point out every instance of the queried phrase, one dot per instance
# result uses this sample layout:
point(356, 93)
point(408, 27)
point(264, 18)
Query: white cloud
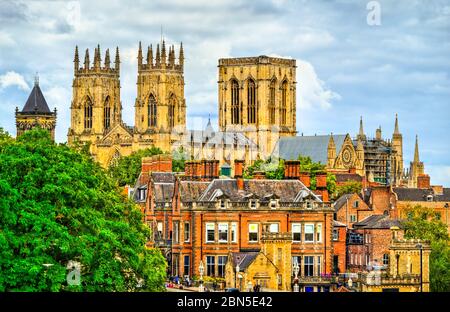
point(12, 78)
point(312, 91)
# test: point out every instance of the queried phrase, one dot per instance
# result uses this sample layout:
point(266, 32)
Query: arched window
point(283, 107)
point(152, 111)
point(172, 102)
point(107, 114)
point(88, 115)
point(251, 98)
point(235, 106)
point(272, 106)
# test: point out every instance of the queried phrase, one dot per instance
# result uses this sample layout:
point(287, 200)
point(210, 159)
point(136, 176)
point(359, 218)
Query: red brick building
point(201, 217)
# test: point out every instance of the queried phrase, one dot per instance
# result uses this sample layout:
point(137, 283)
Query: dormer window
point(430, 198)
point(253, 204)
point(308, 204)
point(273, 204)
point(142, 194)
point(222, 204)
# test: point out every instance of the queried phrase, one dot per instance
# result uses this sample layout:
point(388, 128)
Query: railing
point(163, 242)
point(324, 278)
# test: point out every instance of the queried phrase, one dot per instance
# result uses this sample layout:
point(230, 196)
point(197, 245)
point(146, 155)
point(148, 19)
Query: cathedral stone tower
point(416, 167)
point(96, 105)
point(160, 108)
point(257, 96)
point(36, 113)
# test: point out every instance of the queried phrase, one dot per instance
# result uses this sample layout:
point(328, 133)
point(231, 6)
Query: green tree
point(350, 187)
point(179, 157)
point(127, 168)
point(58, 205)
point(422, 223)
point(273, 169)
point(313, 168)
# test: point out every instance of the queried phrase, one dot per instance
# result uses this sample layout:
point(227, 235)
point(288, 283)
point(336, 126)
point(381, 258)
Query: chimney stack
point(238, 173)
point(259, 175)
point(292, 169)
point(423, 181)
point(305, 179)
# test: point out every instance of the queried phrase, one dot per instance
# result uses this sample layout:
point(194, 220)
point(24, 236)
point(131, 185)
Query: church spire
point(163, 53)
point(150, 56)
point(140, 55)
point(86, 60)
point(117, 61)
point(158, 56)
point(97, 58)
point(416, 151)
point(361, 134)
point(181, 55)
point(76, 60)
point(107, 60)
point(396, 131)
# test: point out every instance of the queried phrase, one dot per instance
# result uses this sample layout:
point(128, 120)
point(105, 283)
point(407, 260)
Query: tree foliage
point(349, 187)
point(58, 205)
point(423, 223)
point(179, 157)
point(313, 168)
point(127, 168)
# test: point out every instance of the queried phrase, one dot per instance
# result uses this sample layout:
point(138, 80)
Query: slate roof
point(244, 259)
point(163, 177)
point(341, 201)
point(36, 102)
point(338, 224)
point(285, 190)
point(191, 190)
point(378, 222)
point(163, 192)
point(416, 194)
point(345, 177)
point(289, 148)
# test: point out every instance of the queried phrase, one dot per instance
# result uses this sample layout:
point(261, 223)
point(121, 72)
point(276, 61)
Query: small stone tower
point(416, 167)
point(397, 146)
point(36, 113)
point(277, 247)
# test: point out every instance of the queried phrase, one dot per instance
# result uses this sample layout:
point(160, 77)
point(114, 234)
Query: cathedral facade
point(96, 108)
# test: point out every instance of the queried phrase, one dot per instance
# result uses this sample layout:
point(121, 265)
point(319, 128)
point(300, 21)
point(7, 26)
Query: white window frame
point(187, 225)
point(208, 227)
point(273, 204)
point(222, 226)
point(353, 218)
point(313, 232)
point(299, 226)
point(319, 232)
point(335, 235)
point(257, 232)
point(253, 204)
point(234, 232)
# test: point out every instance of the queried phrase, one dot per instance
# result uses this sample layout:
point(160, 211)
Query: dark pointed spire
point(86, 60)
point(117, 61)
point(158, 56)
point(181, 55)
point(416, 151)
point(97, 59)
point(361, 134)
point(150, 56)
point(140, 55)
point(163, 53)
point(107, 59)
point(76, 60)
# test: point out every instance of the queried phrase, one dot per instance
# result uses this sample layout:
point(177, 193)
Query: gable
point(119, 134)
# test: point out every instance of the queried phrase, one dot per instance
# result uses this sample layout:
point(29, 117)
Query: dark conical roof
point(36, 101)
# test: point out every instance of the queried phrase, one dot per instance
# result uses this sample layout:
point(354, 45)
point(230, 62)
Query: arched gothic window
point(283, 107)
point(152, 110)
point(251, 100)
point(172, 102)
point(107, 114)
point(88, 114)
point(235, 103)
point(272, 107)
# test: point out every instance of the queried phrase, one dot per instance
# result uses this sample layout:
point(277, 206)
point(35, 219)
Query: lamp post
point(201, 270)
point(296, 270)
point(420, 247)
point(237, 276)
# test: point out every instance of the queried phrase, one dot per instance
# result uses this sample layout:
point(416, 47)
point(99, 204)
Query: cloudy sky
point(347, 66)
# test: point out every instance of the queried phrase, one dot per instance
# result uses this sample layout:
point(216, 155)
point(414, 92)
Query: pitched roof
point(378, 222)
point(341, 201)
point(36, 102)
point(244, 259)
point(191, 190)
point(163, 192)
point(345, 177)
point(416, 194)
point(264, 189)
point(163, 177)
point(315, 147)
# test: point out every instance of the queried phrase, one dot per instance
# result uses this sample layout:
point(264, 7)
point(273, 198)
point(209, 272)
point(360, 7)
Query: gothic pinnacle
point(76, 60)
point(107, 59)
point(416, 151)
point(158, 56)
point(150, 55)
point(396, 131)
point(117, 61)
point(86, 60)
point(140, 54)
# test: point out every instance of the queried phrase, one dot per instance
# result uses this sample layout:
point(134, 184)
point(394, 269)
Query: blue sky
point(346, 68)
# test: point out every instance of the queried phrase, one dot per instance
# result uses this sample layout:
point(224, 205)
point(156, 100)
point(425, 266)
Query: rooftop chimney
point(423, 181)
point(291, 169)
point(238, 173)
point(305, 179)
